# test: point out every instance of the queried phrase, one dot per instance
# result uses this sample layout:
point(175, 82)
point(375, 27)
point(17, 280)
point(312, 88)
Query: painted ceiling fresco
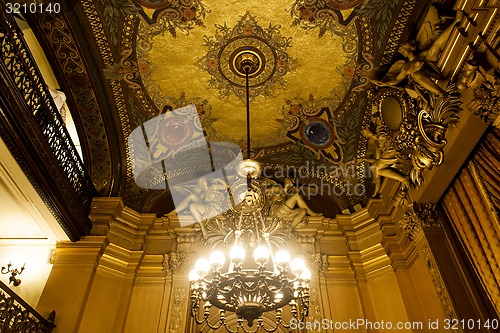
point(308, 103)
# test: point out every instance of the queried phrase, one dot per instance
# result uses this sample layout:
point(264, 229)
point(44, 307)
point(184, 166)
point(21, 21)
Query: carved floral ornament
point(419, 217)
point(486, 91)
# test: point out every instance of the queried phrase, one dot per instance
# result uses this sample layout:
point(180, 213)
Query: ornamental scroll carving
point(439, 285)
point(177, 305)
point(405, 148)
point(318, 262)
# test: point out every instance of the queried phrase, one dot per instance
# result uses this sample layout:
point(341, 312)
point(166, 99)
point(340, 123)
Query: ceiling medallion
point(265, 46)
point(317, 132)
point(312, 123)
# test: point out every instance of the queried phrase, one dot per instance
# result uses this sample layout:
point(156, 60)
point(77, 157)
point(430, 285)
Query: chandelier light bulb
point(297, 265)
point(217, 259)
point(202, 266)
point(194, 276)
point(261, 255)
point(305, 275)
point(237, 254)
point(282, 258)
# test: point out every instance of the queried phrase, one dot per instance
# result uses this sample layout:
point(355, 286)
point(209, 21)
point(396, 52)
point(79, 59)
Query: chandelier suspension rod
point(247, 85)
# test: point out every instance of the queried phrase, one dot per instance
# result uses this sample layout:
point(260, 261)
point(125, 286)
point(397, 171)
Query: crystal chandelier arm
point(268, 243)
point(273, 329)
point(304, 307)
point(256, 227)
point(205, 314)
point(237, 235)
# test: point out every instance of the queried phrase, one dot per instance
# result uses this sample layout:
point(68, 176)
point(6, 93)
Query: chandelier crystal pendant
point(250, 289)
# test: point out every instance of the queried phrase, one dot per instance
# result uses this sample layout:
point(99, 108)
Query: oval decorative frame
point(397, 95)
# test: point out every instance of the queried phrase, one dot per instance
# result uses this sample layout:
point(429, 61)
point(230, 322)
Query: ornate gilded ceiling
point(308, 101)
point(198, 65)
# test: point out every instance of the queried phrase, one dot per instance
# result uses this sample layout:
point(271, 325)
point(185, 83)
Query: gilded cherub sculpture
point(287, 203)
point(418, 65)
point(385, 158)
point(203, 201)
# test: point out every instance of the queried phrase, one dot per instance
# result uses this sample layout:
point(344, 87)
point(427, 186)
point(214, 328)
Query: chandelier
point(250, 289)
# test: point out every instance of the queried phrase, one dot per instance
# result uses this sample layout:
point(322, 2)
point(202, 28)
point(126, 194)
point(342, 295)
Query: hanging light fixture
point(249, 289)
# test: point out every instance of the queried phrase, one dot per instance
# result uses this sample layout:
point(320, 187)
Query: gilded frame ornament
point(398, 95)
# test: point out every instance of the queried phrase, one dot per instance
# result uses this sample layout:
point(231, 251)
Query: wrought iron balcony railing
point(33, 129)
point(16, 316)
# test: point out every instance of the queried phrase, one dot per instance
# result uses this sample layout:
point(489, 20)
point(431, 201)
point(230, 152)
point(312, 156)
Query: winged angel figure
point(420, 57)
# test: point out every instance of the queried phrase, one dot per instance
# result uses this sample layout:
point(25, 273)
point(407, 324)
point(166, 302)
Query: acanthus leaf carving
point(419, 217)
point(486, 103)
point(177, 263)
point(318, 263)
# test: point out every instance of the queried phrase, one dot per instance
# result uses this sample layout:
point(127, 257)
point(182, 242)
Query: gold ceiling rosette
point(268, 47)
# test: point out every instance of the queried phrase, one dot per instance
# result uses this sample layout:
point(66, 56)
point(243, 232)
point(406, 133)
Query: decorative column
point(378, 296)
point(111, 289)
point(178, 264)
point(146, 306)
point(423, 227)
point(69, 282)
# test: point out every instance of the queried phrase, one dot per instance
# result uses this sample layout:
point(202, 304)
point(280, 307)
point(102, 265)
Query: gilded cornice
point(151, 270)
point(341, 248)
point(119, 223)
point(85, 252)
point(120, 262)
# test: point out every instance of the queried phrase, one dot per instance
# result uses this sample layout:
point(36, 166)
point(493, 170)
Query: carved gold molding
point(440, 286)
point(418, 217)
